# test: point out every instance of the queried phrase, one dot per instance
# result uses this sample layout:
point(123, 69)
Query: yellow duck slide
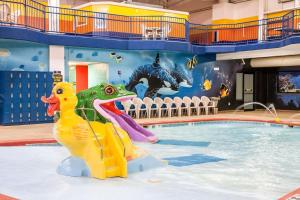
point(103, 147)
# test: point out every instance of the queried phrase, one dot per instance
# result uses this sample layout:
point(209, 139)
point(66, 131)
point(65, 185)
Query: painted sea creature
point(35, 58)
point(116, 57)
point(20, 68)
point(119, 59)
point(158, 80)
point(112, 55)
point(191, 63)
point(224, 90)
point(95, 53)
point(79, 55)
point(206, 85)
point(181, 79)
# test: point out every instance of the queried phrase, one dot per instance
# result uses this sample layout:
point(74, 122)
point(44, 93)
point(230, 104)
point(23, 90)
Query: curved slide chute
point(134, 130)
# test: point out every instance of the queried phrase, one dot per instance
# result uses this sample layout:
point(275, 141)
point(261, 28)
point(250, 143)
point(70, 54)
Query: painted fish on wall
point(191, 63)
point(206, 85)
point(224, 91)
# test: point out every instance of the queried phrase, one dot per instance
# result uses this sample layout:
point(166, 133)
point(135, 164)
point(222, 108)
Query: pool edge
point(6, 143)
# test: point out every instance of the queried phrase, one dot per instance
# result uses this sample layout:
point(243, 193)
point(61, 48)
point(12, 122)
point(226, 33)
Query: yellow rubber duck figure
point(97, 144)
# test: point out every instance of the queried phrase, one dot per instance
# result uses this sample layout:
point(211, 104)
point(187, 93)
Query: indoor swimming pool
point(213, 160)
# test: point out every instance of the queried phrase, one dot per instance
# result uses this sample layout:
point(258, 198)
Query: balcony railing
point(33, 15)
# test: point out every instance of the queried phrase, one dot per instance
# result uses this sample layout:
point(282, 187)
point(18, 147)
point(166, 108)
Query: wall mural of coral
point(152, 73)
point(23, 56)
point(288, 90)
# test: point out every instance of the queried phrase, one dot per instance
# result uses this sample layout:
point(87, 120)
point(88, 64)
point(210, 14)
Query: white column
point(57, 59)
point(297, 3)
point(53, 18)
point(261, 16)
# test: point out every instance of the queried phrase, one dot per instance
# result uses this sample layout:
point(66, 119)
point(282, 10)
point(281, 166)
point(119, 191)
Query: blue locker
point(20, 97)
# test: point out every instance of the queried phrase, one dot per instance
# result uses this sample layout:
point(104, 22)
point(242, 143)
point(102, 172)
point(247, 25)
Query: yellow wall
point(235, 21)
point(130, 11)
point(276, 14)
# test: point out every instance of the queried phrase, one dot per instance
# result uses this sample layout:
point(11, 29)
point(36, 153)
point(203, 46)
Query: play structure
point(98, 149)
point(102, 98)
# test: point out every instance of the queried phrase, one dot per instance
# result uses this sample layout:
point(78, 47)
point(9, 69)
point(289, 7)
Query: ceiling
point(191, 6)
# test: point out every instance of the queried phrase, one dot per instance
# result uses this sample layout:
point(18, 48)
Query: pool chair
point(196, 106)
point(161, 106)
point(5, 13)
point(165, 30)
point(140, 108)
point(181, 106)
point(147, 32)
point(208, 105)
point(215, 100)
point(129, 108)
point(14, 16)
point(7, 16)
point(188, 101)
point(171, 107)
point(152, 108)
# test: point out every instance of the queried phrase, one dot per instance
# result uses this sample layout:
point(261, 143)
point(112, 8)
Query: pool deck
point(42, 133)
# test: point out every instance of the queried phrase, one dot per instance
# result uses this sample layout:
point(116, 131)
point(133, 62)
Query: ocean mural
point(155, 73)
point(288, 90)
point(23, 56)
point(287, 101)
point(289, 82)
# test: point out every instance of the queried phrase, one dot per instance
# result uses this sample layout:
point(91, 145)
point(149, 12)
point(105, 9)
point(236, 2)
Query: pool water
point(256, 159)
point(207, 161)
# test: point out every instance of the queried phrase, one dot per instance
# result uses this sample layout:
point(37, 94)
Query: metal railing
point(248, 32)
point(33, 15)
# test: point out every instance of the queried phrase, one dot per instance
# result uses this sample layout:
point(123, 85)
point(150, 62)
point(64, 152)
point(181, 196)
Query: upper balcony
point(36, 17)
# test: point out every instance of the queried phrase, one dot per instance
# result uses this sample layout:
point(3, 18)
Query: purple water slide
point(134, 130)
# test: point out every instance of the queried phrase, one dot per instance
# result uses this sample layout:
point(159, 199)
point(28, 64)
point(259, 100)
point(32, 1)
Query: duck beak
point(53, 102)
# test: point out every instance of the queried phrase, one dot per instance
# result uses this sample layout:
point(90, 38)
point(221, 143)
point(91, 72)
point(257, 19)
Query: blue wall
point(23, 56)
point(206, 69)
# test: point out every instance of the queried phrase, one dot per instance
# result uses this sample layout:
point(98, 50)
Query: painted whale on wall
point(180, 78)
point(159, 81)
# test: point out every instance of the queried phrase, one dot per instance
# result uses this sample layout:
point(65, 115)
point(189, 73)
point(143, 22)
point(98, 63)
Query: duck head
point(63, 97)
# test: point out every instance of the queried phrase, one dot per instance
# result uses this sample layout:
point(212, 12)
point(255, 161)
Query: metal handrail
point(94, 134)
point(114, 127)
point(89, 109)
point(202, 34)
point(117, 133)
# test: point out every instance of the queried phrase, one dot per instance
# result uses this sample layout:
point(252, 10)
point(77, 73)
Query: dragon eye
point(109, 90)
point(59, 91)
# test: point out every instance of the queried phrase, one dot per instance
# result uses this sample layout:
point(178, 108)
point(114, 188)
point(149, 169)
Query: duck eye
point(59, 91)
point(109, 90)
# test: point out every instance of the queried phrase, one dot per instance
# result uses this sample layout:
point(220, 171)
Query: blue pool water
point(206, 161)
point(256, 159)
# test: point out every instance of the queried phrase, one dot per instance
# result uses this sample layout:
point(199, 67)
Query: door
point(81, 77)
point(98, 73)
point(248, 91)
